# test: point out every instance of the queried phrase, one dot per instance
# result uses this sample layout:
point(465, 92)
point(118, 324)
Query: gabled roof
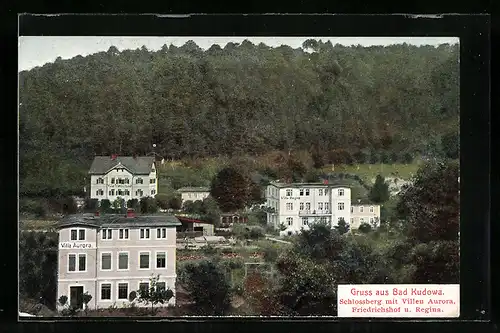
point(138, 165)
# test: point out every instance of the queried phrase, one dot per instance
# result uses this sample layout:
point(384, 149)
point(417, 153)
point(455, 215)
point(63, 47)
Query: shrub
point(256, 232)
point(91, 204)
point(365, 227)
point(63, 300)
point(105, 206)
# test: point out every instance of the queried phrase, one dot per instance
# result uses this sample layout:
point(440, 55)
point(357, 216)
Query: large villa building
point(297, 205)
point(127, 177)
point(193, 193)
point(110, 256)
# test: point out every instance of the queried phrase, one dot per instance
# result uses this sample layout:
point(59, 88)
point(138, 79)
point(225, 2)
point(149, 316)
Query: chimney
point(325, 181)
point(97, 213)
point(114, 156)
point(130, 213)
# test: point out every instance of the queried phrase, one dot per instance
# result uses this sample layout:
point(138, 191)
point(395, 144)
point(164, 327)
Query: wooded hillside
point(242, 98)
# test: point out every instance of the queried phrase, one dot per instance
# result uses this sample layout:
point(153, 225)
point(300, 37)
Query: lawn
point(368, 172)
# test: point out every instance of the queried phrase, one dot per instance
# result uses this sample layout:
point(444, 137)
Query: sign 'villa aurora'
point(76, 245)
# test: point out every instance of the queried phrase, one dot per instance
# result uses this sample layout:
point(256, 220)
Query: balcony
point(314, 212)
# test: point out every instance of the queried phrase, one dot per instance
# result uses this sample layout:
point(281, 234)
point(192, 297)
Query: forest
point(369, 103)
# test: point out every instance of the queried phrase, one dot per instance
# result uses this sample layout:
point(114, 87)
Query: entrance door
point(75, 298)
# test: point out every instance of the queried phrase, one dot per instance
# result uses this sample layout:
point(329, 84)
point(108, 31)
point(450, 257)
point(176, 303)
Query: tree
point(63, 300)
point(365, 227)
point(118, 204)
point(91, 204)
point(175, 202)
point(154, 294)
point(431, 205)
point(162, 201)
point(105, 206)
point(133, 204)
point(231, 190)
point(148, 205)
point(451, 145)
point(379, 193)
point(69, 205)
point(208, 287)
point(342, 227)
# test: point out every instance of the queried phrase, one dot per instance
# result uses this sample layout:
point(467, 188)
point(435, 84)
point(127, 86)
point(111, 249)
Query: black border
point(474, 33)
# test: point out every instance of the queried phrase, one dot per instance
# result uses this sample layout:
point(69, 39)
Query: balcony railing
point(314, 212)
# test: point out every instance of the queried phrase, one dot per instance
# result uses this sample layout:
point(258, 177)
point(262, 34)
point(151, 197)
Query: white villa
point(193, 193)
point(297, 205)
point(128, 177)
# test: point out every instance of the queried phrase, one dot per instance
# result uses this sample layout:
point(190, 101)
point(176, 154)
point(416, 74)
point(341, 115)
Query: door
point(76, 299)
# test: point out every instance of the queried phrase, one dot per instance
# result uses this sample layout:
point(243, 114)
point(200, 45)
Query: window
point(320, 192)
point(371, 219)
point(123, 234)
point(127, 181)
point(352, 209)
point(81, 234)
point(289, 220)
point(153, 192)
point(72, 262)
point(161, 286)
point(152, 181)
point(361, 220)
point(82, 262)
point(107, 234)
point(99, 192)
point(112, 180)
point(144, 260)
point(307, 191)
point(341, 206)
point(139, 181)
point(288, 193)
point(161, 260)
point(320, 206)
point(352, 220)
point(327, 206)
point(100, 181)
point(144, 286)
point(161, 233)
point(112, 192)
point(122, 290)
point(123, 260)
point(301, 192)
point(144, 233)
point(74, 233)
point(305, 221)
point(326, 191)
point(106, 291)
point(361, 209)
point(139, 193)
point(308, 206)
point(127, 192)
point(341, 192)
point(289, 206)
point(371, 209)
point(119, 192)
point(339, 219)
point(301, 206)
point(105, 261)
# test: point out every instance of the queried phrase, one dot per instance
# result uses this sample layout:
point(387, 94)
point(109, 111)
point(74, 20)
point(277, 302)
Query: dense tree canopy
point(225, 101)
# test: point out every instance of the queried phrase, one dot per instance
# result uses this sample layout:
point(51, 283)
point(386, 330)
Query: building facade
point(126, 177)
point(364, 213)
point(298, 205)
point(110, 256)
point(193, 193)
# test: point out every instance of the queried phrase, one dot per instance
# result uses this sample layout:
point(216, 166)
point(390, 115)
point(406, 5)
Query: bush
point(162, 200)
point(256, 232)
point(134, 204)
point(365, 227)
point(105, 206)
point(91, 204)
point(34, 206)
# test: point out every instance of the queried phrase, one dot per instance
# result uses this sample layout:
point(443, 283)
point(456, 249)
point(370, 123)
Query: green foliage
point(154, 294)
point(365, 227)
point(63, 300)
point(91, 204)
point(379, 193)
point(105, 206)
point(175, 202)
point(37, 207)
point(134, 204)
point(342, 227)
point(162, 200)
point(38, 265)
point(148, 205)
point(233, 190)
point(208, 286)
point(451, 145)
point(118, 204)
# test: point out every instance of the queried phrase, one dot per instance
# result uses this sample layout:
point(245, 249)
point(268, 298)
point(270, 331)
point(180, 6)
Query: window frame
point(162, 232)
point(361, 209)
point(123, 233)
point(289, 193)
point(118, 261)
point(75, 255)
point(118, 283)
point(308, 192)
point(148, 233)
point(340, 206)
point(110, 261)
point(372, 209)
point(101, 284)
point(84, 255)
point(71, 234)
point(289, 221)
point(156, 259)
point(149, 260)
point(105, 233)
point(340, 192)
point(305, 221)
